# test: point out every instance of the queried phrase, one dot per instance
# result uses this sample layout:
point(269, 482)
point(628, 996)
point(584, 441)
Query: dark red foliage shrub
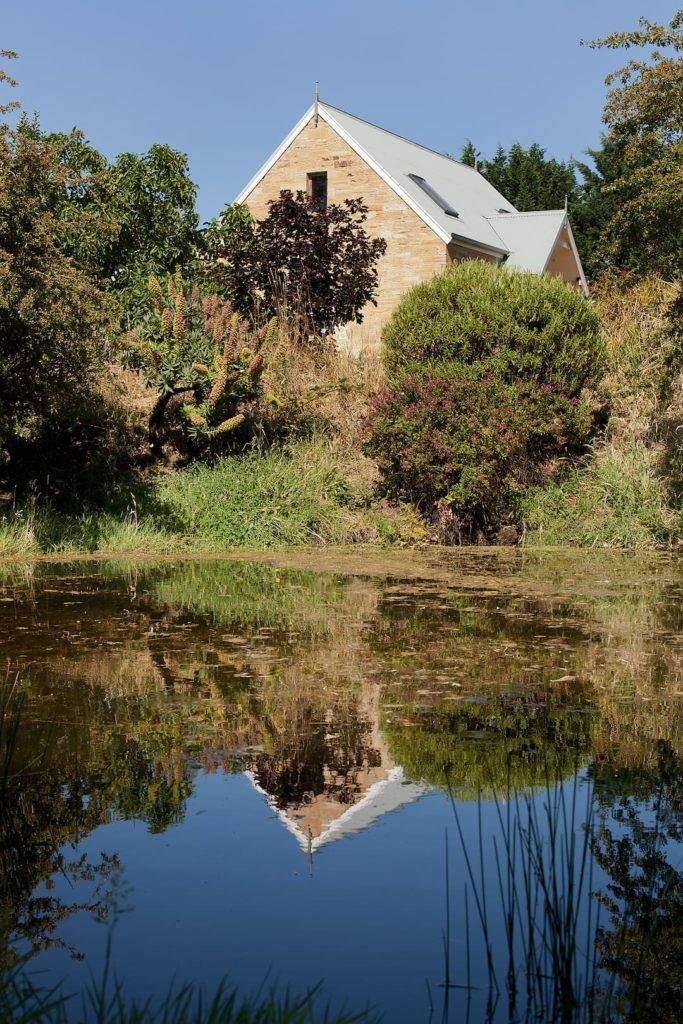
point(466, 442)
point(319, 263)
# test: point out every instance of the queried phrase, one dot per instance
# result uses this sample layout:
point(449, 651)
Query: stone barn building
point(430, 208)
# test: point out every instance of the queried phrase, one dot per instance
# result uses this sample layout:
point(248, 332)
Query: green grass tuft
point(617, 499)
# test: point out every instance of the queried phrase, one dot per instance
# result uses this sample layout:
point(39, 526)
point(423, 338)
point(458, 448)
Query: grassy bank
point(306, 493)
point(618, 498)
point(628, 492)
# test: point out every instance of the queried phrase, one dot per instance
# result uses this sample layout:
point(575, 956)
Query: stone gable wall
point(414, 253)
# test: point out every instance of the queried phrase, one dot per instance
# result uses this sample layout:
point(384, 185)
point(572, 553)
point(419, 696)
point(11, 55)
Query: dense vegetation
point(139, 353)
point(487, 377)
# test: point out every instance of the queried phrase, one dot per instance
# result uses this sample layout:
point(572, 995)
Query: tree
point(153, 202)
point(81, 194)
point(469, 154)
point(526, 176)
point(52, 316)
point(644, 116)
point(136, 216)
point(226, 255)
point(319, 264)
point(596, 205)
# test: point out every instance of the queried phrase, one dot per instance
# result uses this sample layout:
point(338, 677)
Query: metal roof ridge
point(403, 138)
point(522, 213)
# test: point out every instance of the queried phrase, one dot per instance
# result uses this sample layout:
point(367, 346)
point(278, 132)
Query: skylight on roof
point(434, 195)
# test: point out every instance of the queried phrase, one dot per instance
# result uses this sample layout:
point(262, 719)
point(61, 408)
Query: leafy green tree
point(136, 216)
point(470, 154)
point(153, 202)
point(52, 316)
point(80, 194)
point(644, 117)
point(596, 205)
point(230, 237)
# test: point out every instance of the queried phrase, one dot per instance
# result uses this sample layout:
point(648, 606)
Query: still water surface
point(400, 775)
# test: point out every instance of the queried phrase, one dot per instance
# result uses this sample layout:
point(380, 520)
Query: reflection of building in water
point(336, 780)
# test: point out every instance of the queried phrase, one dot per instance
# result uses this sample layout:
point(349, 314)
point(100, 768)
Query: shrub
point(487, 390)
point(454, 438)
point(198, 347)
point(525, 328)
point(319, 263)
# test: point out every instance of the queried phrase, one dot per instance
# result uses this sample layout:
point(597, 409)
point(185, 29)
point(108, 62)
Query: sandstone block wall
point(414, 253)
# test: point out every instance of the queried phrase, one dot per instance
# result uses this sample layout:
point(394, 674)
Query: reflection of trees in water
point(233, 666)
point(517, 740)
point(641, 947)
point(58, 785)
point(43, 811)
point(554, 954)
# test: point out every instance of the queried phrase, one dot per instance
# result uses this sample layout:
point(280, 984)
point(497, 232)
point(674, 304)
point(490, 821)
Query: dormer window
point(317, 189)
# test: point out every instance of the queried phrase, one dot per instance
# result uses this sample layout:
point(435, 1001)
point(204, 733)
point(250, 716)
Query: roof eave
point(384, 175)
point(483, 247)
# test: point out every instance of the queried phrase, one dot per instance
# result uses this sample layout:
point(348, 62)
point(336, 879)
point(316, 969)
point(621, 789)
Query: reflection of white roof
point(382, 798)
point(527, 239)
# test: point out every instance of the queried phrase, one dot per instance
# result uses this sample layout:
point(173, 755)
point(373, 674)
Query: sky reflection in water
point(257, 756)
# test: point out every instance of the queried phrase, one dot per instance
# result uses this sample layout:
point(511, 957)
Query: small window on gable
point(317, 189)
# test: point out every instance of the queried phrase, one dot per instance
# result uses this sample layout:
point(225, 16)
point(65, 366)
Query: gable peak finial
point(316, 101)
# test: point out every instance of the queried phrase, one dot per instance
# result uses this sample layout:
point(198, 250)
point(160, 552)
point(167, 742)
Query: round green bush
point(488, 378)
point(525, 328)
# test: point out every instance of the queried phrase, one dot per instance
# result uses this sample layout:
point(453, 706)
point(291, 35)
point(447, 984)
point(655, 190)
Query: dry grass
point(627, 493)
point(639, 345)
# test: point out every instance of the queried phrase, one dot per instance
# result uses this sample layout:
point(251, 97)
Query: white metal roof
point(530, 237)
point(526, 239)
point(461, 186)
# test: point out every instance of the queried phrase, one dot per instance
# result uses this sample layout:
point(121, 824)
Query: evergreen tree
point(526, 176)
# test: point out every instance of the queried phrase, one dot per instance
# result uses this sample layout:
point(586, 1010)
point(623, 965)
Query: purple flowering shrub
point(487, 393)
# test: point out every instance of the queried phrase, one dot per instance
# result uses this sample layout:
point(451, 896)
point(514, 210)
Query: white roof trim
point(584, 282)
point(275, 156)
point(575, 251)
point(344, 825)
point(326, 116)
point(445, 236)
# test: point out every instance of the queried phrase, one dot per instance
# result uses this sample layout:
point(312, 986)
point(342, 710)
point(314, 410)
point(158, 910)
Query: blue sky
point(225, 81)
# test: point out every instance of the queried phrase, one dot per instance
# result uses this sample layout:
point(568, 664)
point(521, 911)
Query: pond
point(445, 785)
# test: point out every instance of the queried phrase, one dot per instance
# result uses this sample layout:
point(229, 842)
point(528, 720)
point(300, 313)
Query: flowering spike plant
point(198, 347)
